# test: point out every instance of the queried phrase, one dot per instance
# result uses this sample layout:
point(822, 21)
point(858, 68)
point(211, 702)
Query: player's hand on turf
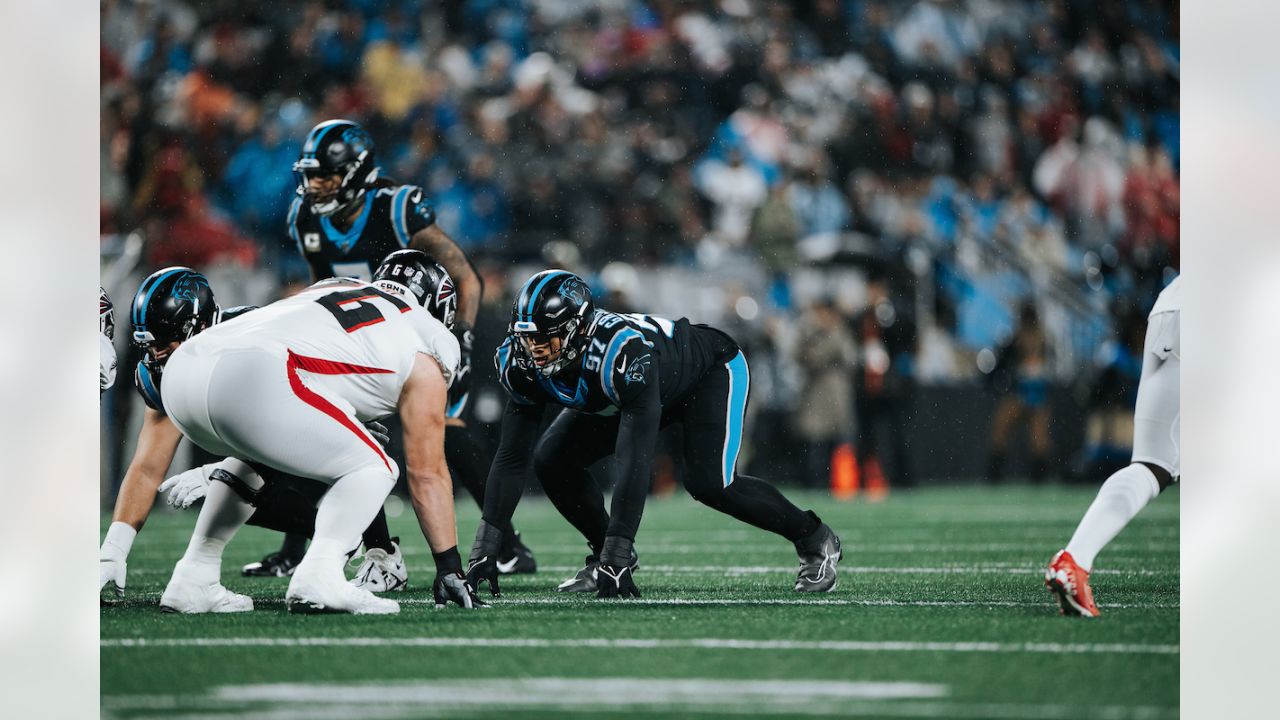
point(111, 569)
point(379, 432)
point(186, 488)
point(484, 569)
point(614, 576)
point(453, 587)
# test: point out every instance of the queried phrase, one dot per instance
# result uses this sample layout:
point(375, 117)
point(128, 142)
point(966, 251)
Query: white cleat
point(188, 595)
point(382, 571)
point(313, 592)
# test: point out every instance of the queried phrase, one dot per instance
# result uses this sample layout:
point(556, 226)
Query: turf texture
point(940, 611)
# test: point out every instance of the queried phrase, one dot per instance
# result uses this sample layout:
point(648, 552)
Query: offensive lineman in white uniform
point(289, 386)
point(1153, 468)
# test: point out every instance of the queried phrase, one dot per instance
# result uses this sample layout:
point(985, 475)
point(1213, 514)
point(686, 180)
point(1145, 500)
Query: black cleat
point(516, 559)
point(274, 565)
point(819, 552)
point(584, 581)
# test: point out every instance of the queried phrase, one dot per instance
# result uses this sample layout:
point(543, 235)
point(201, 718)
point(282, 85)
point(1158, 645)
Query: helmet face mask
point(338, 164)
point(106, 315)
point(552, 305)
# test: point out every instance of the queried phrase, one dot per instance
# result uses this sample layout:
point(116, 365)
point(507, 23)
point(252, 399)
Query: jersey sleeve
point(411, 212)
point(630, 367)
point(513, 380)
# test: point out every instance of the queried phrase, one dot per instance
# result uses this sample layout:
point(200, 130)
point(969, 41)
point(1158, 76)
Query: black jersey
point(391, 217)
point(624, 354)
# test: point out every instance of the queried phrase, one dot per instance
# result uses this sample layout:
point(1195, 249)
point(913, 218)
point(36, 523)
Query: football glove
point(379, 432)
point(111, 572)
point(453, 587)
point(482, 566)
point(188, 487)
point(614, 576)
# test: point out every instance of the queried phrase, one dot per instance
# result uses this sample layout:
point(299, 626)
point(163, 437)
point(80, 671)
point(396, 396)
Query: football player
point(1154, 466)
point(289, 386)
point(621, 378)
point(346, 220)
point(106, 334)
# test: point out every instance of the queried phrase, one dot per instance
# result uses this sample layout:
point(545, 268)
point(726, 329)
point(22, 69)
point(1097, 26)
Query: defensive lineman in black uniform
point(621, 378)
point(346, 220)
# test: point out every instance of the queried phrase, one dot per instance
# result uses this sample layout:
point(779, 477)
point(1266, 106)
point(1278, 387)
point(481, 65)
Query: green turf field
point(940, 612)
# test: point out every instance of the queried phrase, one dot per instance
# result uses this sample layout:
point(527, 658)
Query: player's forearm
point(432, 496)
point(637, 435)
point(505, 484)
point(436, 243)
point(137, 495)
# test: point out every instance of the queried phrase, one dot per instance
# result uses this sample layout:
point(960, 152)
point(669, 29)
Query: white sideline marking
point(654, 643)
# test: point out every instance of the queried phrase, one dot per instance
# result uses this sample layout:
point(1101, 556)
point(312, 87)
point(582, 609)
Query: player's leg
point(196, 585)
point(1155, 466)
point(274, 418)
point(573, 443)
point(279, 563)
point(470, 467)
point(713, 417)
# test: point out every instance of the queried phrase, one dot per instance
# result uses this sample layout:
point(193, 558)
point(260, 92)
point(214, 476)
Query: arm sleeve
point(511, 463)
point(411, 212)
point(637, 436)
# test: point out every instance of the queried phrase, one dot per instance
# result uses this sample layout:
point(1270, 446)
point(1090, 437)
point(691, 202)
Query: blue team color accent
point(533, 297)
point(610, 355)
point(577, 400)
point(140, 322)
point(149, 388)
point(504, 356)
point(397, 215)
point(455, 410)
point(739, 386)
point(345, 241)
point(322, 129)
point(293, 222)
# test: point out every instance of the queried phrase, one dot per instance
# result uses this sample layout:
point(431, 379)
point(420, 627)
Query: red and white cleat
point(1070, 584)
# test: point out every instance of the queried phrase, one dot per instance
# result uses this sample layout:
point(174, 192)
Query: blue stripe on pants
point(739, 386)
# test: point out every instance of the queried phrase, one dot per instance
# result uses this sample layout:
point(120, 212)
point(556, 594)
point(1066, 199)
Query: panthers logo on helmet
point(188, 287)
point(573, 292)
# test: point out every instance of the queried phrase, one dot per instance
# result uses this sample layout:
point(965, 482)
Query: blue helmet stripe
point(139, 311)
point(533, 297)
point(611, 354)
point(316, 136)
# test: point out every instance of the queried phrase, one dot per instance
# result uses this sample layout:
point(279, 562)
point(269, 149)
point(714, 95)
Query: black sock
point(294, 546)
point(378, 535)
point(759, 503)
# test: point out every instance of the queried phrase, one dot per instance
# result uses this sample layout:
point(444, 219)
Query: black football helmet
point(553, 304)
point(336, 148)
point(106, 314)
point(425, 279)
point(172, 304)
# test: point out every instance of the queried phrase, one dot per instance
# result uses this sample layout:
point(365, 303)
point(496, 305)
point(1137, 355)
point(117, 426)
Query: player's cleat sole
point(274, 565)
point(819, 553)
point(1069, 584)
point(517, 560)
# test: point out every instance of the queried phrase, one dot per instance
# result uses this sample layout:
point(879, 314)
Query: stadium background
point(926, 168)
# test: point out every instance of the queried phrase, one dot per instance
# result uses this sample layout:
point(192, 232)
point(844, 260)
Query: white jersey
point(348, 339)
point(1170, 299)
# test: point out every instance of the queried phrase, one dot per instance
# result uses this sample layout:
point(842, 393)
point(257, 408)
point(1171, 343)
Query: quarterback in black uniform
point(621, 378)
point(346, 221)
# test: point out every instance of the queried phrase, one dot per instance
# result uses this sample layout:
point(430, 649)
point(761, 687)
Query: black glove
point(483, 563)
point(613, 578)
point(450, 585)
point(462, 381)
point(379, 432)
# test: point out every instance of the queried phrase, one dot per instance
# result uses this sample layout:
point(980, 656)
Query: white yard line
point(654, 643)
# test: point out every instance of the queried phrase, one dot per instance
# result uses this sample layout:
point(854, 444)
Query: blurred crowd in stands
point(965, 160)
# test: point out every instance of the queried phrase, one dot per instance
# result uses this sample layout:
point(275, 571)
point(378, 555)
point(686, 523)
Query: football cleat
point(819, 552)
point(382, 571)
point(1070, 584)
point(324, 591)
point(584, 581)
point(196, 590)
point(276, 564)
point(517, 559)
